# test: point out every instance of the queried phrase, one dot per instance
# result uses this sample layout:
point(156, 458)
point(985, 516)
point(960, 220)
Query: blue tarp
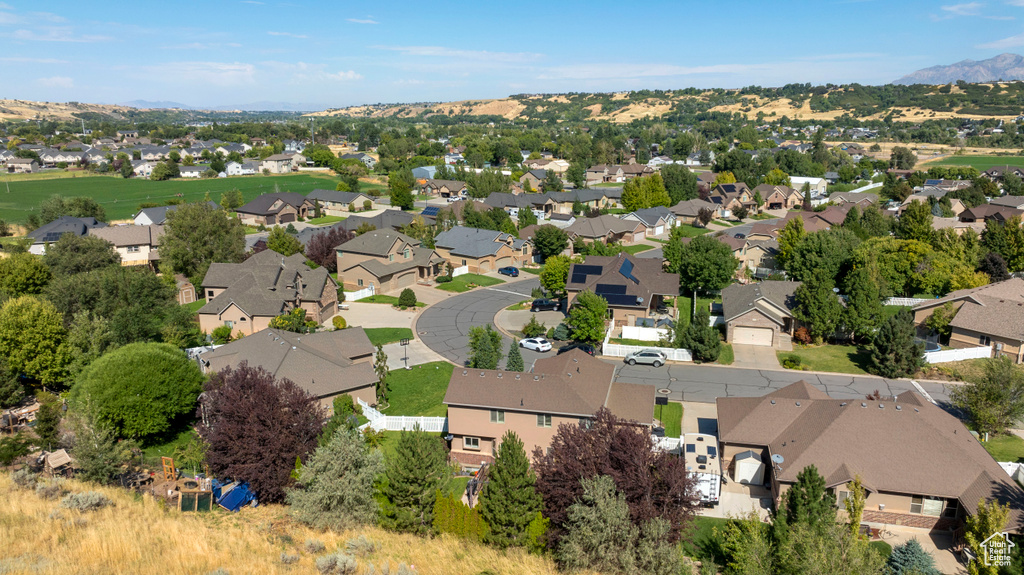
point(232, 496)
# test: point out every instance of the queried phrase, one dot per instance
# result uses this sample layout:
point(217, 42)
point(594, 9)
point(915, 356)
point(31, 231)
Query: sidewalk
point(417, 351)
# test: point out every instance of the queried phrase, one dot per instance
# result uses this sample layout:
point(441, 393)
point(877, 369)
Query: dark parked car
point(545, 305)
point(510, 271)
point(584, 347)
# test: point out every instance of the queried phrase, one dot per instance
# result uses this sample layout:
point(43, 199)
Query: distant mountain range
point(251, 107)
point(1002, 67)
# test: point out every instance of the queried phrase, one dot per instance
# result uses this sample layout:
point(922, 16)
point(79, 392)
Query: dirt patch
point(639, 110)
point(595, 109)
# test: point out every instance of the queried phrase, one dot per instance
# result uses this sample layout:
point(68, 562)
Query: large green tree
point(895, 351)
point(549, 241)
point(819, 308)
point(555, 273)
point(680, 183)
point(993, 402)
point(23, 274)
point(703, 263)
point(32, 338)
point(485, 347)
point(822, 255)
point(514, 360)
point(161, 386)
point(414, 473)
point(197, 235)
point(282, 242)
point(916, 222)
point(789, 238)
point(587, 316)
point(73, 254)
point(864, 308)
point(400, 184)
point(701, 338)
point(77, 207)
point(645, 192)
point(509, 500)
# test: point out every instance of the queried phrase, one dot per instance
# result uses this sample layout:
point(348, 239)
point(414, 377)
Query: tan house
point(606, 229)
point(859, 199)
point(728, 197)
point(277, 164)
point(633, 287)
point(919, 465)
point(386, 261)
point(324, 364)
point(687, 211)
point(990, 315)
point(137, 245)
point(482, 251)
point(276, 208)
point(564, 389)
point(22, 165)
point(535, 179)
point(248, 295)
point(759, 313)
point(779, 197)
point(333, 203)
point(446, 188)
point(604, 173)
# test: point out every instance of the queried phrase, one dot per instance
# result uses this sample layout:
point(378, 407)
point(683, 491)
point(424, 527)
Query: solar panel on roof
point(620, 299)
point(579, 278)
point(932, 182)
point(431, 211)
point(587, 270)
point(627, 271)
point(610, 289)
point(51, 237)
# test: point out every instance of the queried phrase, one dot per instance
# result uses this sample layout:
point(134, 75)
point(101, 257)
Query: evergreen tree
point(48, 419)
point(552, 182)
point(702, 339)
point(514, 362)
point(11, 389)
point(911, 559)
point(864, 301)
point(414, 473)
point(895, 351)
point(485, 347)
point(808, 502)
point(509, 500)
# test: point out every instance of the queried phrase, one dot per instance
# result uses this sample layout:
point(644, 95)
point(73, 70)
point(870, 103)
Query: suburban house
point(333, 203)
point(535, 178)
point(369, 161)
point(606, 229)
point(386, 261)
point(482, 251)
point(565, 389)
point(990, 315)
point(241, 169)
point(446, 188)
point(859, 199)
point(324, 364)
point(818, 186)
point(158, 214)
point(919, 465)
point(424, 173)
point(384, 220)
point(957, 226)
point(51, 232)
point(22, 165)
point(996, 173)
point(757, 254)
point(687, 211)
point(1015, 202)
point(759, 313)
point(986, 212)
point(604, 173)
point(277, 164)
point(275, 208)
point(194, 172)
point(657, 220)
point(633, 287)
point(142, 168)
point(137, 245)
point(728, 197)
point(248, 295)
point(779, 197)
point(630, 171)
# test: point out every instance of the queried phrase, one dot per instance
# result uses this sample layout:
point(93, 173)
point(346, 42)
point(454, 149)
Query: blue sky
point(340, 53)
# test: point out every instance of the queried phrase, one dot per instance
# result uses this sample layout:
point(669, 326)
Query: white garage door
point(752, 336)
point(659, 230)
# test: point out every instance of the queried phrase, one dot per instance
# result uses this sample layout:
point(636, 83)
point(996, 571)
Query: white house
point(237, 169)
point(192, 171)
point(818, 185)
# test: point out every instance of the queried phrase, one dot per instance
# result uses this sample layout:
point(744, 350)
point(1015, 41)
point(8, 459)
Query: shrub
point(85, 501)
point(802, 335)
point(24, 478)
point(533, 328)
point(361, 546)
point(407, 298)
point(561, 332)
point(13, 447)
point(352, 207)
point(48, 489)
point(288, 559)
point(367, 205)
point(537, 293)
point(314, 545)
point(336, 564)
point(339, 322)
point(453, 516)
point(792, 362)
point(221, 335)
point(443, 279)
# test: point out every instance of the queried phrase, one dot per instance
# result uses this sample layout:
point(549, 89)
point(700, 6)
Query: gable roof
point(265, 284)
point(598, 273)
point(261, 204)
point(335, 196)
point(122, 236)
point(738, 299)
point(934, 456)
point(52, 231)
point(321, 363)
point(573, 384)
point(600, 226)
point(376, 242)
point(475, 243)
point(651, 216)
point(690, 208)
point(1016, 202)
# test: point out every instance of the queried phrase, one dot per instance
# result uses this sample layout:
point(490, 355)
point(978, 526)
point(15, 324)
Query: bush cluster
point(453, 516)
point(85, 501)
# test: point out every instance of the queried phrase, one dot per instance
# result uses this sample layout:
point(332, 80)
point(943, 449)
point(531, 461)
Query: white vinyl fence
point(616, 350)
point(643, 333)
point(905, 301)
point(460, 270)
point(870, 186)
point(380, 422)
point(358, 295)
point(667, 443)
point(957, 354)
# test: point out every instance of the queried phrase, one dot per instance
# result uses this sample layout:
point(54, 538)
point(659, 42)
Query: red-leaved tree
point(655, 483)
point(256, 426)
point(321, 246)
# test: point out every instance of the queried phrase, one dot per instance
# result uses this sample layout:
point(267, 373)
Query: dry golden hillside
point(26, 110)
point(140, 535)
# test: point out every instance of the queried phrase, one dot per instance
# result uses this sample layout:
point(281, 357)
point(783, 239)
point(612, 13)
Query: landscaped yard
point(702, 540)
point(534, 271)
point(525, 304)
point(388, 299)
point(420, 390)
point(671, 416)
point(1007, 447)
point(763, 217)
point(462, 283)
point(637, 248)
point(386, 335)
point(692, 231)
point(195, 306)
point(725, 357)
point(834, 358)
point(891, 310)
point(627, 341)
point(325, 220)
point(165, 445)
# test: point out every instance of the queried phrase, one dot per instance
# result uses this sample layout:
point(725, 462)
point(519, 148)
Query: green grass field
point(692, 231)
point(726, 357)
point(388, 299)
point(671, 416)
point(637, 248)
point(461, 283)
point(834, 358)
point(195, 306)
point(420, 390)
point(121, 197)
point(386, 335)
point(982, 163)
point(325, 220)
point(1007, 447)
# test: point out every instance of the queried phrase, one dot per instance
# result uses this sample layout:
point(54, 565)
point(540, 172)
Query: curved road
point(444, 328)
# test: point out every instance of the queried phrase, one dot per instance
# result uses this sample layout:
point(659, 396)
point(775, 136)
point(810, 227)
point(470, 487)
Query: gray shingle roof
point(474, 243)
point(265, 284)
point(52, 231)
point(376, 243)
point(739, 299)
point(335, 196)
point(261, 205)
point(651, 216)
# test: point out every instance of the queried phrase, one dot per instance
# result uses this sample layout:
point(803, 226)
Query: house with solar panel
point(49, 233)
point(633, 287)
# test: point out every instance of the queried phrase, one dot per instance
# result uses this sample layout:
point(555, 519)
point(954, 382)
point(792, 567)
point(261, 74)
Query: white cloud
point(441, 52)
point(345, 75)
point(288, 34)
point(56, 82)
point(1011, 42)
point(200, 46)
point(49, 16)
point(25, 60)
point(966, 9)
point(5, 6)
point(223, 74)
point(56, 34)
point(362, 21)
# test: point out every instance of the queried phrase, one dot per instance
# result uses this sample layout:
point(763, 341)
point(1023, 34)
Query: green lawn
point(607, 185)
point(121, 198)
point(763, 217)
point(534, 271)
point(627, 341)
point(882, 547)
point(525, 304)
point(834, 358)
point(1007, 447)
point(725, 357)
point(692, 231)
point(685, 304)
point(671, 416)
point(637, 248)
point(461, 283)
point(982, 163)
point(386, 335)
point(388, 299)
point(420, 390)
point(891, 310)
point(701, 541)
point(165, 445)
point(194, 306)
point(325, 220)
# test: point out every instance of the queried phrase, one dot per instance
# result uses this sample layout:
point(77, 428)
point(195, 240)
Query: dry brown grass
point(140, 535)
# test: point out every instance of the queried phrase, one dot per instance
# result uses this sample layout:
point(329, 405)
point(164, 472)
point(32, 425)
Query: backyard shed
point(749, 468)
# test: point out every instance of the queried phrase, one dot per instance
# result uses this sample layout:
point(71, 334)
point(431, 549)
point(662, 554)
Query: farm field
point(121, 197)
point(982, 163)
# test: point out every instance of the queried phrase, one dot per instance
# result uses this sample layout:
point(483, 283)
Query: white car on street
point(536, 344)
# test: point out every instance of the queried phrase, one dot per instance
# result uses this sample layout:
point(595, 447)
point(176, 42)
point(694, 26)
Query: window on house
point(524, 250)
point(497, 416)
point(406, 253)
point(132, 249)
point(543, 420)
point(841, 498)
point(471, 443)
point(359, 283)
point(926, 505)
point(229, 323)
point(952, 506)
point(463, 262)
point(391, 257)
point(209, 294)
point(984, 340)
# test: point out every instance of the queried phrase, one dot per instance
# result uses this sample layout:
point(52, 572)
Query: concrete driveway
point(755, 356)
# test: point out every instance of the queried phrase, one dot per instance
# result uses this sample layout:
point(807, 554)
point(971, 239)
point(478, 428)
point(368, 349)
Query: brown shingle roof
point(122, 236)
point(918, 449)
point(652, 280)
